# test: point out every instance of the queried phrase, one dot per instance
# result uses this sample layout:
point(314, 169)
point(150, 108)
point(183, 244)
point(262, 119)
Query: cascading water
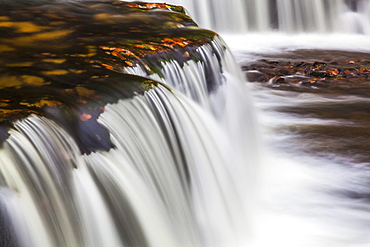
point(349, 16)
point(306, 198)
point(181, 167)
point(177, 168)
point(168, 182)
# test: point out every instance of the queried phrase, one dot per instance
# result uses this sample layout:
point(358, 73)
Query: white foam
point(247, 46)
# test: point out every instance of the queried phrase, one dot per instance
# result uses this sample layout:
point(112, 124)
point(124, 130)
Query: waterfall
point(169, 181)
point(291, 16)
point(125, 125)
point(177, 170)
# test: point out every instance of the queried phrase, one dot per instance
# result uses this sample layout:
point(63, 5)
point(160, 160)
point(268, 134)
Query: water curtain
point(122, 124)
point(292, 16)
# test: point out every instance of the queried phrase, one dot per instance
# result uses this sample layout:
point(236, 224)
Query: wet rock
point(320, 74)
point(67, 61)
point(329, 70)
point(255, 76)
point(277, 80)
point(319, 65)
point(300, 64)
point(282, 72)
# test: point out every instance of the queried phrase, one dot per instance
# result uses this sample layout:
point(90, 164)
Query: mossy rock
point(68, 57)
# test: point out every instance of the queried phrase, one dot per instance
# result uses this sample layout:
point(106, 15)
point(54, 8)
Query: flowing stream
point(349, 16)
point(313, 190)
point(310, 195)
point(194, 164)
point(179, 174)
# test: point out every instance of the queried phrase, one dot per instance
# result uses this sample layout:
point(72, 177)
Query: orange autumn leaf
point(332, 71)
point(85, 117)
point(313, 80)
point(107, 48)
point(362, 70)
point(107, 66)
point(176, 41)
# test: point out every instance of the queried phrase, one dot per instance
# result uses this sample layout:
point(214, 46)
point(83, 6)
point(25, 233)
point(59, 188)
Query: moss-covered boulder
point(65, 60)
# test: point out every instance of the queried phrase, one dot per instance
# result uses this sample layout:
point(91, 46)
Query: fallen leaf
point(85, 117)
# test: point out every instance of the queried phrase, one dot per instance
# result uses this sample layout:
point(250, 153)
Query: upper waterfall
point(293, 16)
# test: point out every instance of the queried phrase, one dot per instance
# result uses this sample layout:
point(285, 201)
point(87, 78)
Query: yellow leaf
point(54, 60)
point(56, 72)
point(33, 80)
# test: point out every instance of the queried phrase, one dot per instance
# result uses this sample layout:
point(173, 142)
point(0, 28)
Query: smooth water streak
point(287, 16)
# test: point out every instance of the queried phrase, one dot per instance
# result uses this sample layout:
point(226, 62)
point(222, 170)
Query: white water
point(143, 176)
point(302, 197)
point(318, 16)
point(183, 175)
point(181, 172)
point(301, 202)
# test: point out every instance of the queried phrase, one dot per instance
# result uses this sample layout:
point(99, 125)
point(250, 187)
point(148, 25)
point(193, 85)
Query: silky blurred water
point(311, 193)
point(292, 189)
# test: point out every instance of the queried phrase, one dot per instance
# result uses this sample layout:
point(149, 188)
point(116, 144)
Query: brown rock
point(277, 80)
